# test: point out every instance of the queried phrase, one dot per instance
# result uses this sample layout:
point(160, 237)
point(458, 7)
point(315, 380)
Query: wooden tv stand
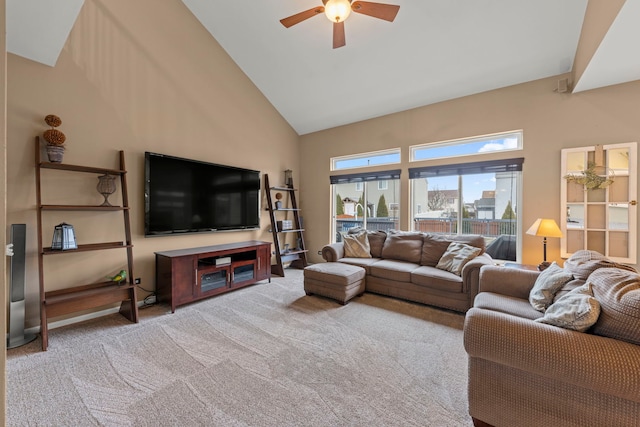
point(188, 275)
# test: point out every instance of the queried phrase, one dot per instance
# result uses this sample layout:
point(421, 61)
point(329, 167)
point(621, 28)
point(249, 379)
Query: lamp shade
point(337, 10)
point(545, 228)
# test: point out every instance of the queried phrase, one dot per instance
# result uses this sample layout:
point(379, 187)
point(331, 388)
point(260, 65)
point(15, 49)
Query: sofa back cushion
point(618, 292)
point(435, 245)
point(584, 262)
point(403, 246)
point(376, 240)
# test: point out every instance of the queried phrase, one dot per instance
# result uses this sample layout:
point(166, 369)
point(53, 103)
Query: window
point(370, 207)
point(466, 147)
point(359, 186)
point(375, 158)
point(383, 185)
point(470, 198)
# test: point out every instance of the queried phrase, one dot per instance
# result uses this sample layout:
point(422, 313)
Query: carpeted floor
point(266, 355)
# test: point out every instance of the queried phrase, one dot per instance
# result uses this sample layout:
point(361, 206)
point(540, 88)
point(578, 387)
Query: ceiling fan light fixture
point(337, 10)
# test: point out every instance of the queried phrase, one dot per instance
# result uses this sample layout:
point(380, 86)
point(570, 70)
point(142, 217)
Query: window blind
point(491, 166)
point(365, 177)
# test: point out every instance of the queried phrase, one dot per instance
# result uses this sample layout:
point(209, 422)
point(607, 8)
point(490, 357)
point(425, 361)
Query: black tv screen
point(190, 196)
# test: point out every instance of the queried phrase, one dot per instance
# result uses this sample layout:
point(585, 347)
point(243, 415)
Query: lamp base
point(543, 265)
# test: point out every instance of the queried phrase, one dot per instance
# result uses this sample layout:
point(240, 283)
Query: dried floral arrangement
point(590, 179)
point(53, 136)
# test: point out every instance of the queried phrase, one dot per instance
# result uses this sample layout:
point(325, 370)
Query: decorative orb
point(53, 120)
point(54, 137)
point(278, 196)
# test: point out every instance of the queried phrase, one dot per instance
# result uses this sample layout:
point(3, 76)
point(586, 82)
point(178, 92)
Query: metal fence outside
point(483, 227)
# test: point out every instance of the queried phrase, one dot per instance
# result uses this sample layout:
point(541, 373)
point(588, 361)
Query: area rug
point(266, 355)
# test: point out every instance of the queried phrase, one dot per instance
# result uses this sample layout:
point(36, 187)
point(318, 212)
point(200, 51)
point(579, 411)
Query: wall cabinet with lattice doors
point(599, 201)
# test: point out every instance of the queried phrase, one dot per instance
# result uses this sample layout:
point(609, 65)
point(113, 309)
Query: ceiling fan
point(338, 10)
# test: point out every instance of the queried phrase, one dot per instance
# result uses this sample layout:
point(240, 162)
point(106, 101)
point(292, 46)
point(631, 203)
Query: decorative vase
point(106, 187)
point(55, 153)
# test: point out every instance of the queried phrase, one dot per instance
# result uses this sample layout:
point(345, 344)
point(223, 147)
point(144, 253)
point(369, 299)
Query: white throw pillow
point(578, 310)
point(457, 256)
point(356, 245)
point(547, 284)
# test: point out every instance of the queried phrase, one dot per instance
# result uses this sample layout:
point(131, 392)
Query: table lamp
point(545, 228)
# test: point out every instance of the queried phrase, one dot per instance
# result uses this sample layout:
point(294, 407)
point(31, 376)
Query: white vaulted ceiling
point(435, 50)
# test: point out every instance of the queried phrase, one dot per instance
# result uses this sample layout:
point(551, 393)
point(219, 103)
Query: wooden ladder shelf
point(298, 255)
point(77, 298)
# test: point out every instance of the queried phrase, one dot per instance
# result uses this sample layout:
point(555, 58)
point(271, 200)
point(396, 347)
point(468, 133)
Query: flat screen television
point(190, 196)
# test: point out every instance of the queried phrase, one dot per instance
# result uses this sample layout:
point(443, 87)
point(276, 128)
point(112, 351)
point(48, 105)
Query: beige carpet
point(266, 355)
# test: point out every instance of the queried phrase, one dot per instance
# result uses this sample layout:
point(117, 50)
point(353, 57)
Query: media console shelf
point(188, 275)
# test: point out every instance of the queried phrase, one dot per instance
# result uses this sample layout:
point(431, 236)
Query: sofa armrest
point(508, 281)
point(333, 252)
point(471, 274)
point(590, 361)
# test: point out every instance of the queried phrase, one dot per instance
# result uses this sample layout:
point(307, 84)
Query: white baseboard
point(89, 316)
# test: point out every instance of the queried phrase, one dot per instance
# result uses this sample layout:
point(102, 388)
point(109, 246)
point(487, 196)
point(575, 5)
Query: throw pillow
point(547, 284)
point(403, 246)
point(618, 292)
point(356, 245)
point(457, 256)
point(376, 240)
point(578, 310)
point(435, 245)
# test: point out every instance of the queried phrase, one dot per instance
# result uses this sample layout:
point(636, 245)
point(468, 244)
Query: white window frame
point(383, 185)
point(369, 157)
point(453, 144)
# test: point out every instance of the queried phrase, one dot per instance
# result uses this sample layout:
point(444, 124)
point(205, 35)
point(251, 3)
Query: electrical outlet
point(137, 281)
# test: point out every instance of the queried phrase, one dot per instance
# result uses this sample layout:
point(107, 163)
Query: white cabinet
point(600, 217)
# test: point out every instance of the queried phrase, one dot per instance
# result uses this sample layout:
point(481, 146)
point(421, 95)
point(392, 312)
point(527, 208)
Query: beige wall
point(3, 203)
point(550, 121)
point(126, 81)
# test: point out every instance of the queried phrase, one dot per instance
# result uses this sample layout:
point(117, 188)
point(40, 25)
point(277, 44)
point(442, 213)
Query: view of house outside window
point(369, 200)
point(467, 202)
point(478, 197)
point(371, 208)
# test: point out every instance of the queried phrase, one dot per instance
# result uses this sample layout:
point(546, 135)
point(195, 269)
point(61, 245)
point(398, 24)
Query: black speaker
point(17, 281)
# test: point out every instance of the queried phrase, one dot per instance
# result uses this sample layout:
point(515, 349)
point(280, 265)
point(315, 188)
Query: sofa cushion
point(457, 256)
point(584, 262)
point(376, 240)
point(356, 245)
point(403, 245)
point(360, 262)
point(618, 292)
point(435, 245)
point(578, 310)
point(506, 304)
point(434, 278)
point(399, 271)
point(547, 284)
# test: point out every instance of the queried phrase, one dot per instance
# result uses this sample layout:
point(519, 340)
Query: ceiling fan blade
point(338, 35)
point(387, 12)
point(299, 17)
